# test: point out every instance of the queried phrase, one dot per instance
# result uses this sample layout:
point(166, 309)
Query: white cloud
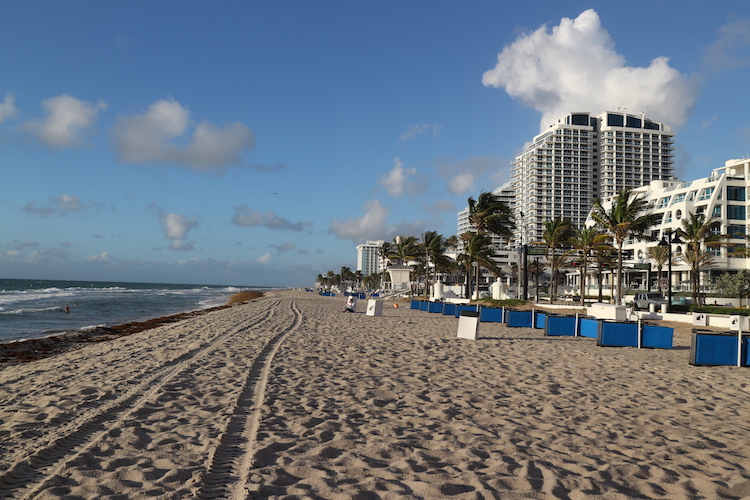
point(416, 130)
point(396, 182)
point(373, 225)
point(68, 119)
point(574, 67)
point(102, 257)
point(464, 175)
point(247, 217)
point(264, 259)
point(462, 183)
point(175, 226)
point(157, 136)
point(8, 107)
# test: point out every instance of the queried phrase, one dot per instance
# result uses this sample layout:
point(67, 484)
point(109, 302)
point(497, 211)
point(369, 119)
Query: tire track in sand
point(230, 465)
point(28, 476)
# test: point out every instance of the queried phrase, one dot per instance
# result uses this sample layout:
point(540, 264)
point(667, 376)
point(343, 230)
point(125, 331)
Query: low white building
point(722, 197)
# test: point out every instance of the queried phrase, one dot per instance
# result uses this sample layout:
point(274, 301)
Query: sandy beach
point(287, 397)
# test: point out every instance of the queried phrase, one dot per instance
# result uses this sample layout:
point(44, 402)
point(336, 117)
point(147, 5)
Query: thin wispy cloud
point(61, 206)
point(730, 50)
point(574, 67)
point(163, 134)
point(415, 131)
point(248, 217)
point(8, 107)
point(67, 122)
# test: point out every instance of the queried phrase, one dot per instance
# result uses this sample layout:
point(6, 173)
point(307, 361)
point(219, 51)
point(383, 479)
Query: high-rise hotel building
point(582, 157)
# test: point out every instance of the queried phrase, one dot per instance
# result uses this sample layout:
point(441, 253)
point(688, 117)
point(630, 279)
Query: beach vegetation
point(697, 232)
point(478, 251)
point(586, 240)
point(659, 254)
point(628, 217)
point(489, 215)
point(557, 233)
point(432, 248)
point(735, 284)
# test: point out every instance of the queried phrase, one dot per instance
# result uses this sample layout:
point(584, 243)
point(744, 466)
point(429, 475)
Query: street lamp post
point(668, 240)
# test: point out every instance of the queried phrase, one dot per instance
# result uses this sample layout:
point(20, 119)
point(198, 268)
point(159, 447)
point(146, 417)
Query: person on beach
point(351, 305)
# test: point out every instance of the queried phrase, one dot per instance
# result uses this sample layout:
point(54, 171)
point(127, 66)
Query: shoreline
point(24, 351)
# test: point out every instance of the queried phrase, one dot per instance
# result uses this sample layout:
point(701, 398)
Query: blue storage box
point(424, 305)
point(540, 320)
point(414, 304)
point(613, 334)
point(656, 337)
point(519, 319)
point(435, 307)
point(560, 326)
point(464, 308)
point(588, 327)
point(449, 309)
point(714, 349)
point(491, 315)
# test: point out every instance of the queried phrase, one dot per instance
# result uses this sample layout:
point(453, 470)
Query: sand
point(288, 397)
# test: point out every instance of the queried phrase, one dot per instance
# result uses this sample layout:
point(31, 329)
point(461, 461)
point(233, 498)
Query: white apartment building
point(368, 257)
point(505, 253)
point(582, 157)
point(722, 198)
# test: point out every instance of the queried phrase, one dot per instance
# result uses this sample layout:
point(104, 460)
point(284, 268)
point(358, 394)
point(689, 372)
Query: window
point(735, 193)
point(678, 198)
point(735, 229)
point(717, 211)
point(706, 193)
point(736, 212)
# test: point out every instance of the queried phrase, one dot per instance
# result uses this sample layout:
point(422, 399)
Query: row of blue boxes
point(707, 348)
point(606, 333)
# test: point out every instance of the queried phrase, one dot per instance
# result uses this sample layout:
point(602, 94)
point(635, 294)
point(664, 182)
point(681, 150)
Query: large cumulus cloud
point(574, 67)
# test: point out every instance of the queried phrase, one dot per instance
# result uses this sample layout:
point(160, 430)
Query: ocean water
point(36, 308)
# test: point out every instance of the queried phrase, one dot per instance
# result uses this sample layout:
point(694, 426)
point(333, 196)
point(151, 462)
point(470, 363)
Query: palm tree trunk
point(583, 279)
point(619, 273)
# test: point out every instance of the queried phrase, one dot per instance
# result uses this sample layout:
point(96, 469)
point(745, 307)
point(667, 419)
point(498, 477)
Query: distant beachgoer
point(351, 305)
point(67, 309)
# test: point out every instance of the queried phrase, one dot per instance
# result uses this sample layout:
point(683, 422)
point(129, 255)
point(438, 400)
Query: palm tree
point(586, 240)
point(346, 276)
point(625, 218)
point(696, 259)
point(404, 249)
point(660, 255)
point(695, 232)
point(605, 257)
point(432, 246)
point(385, 251)
point(477, 249)
point(489, 215)
point(557, 232)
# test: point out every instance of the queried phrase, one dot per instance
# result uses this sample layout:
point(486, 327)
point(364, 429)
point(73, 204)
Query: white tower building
point(368, 257)
point(582, 157)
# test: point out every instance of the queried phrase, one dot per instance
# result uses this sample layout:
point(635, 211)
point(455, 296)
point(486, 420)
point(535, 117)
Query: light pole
point(667, 240)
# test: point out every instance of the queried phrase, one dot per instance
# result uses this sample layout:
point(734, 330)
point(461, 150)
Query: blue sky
point(257, 143)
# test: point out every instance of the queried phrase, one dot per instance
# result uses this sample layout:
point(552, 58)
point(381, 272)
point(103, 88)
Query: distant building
point(368, 257)
point(582, 157)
